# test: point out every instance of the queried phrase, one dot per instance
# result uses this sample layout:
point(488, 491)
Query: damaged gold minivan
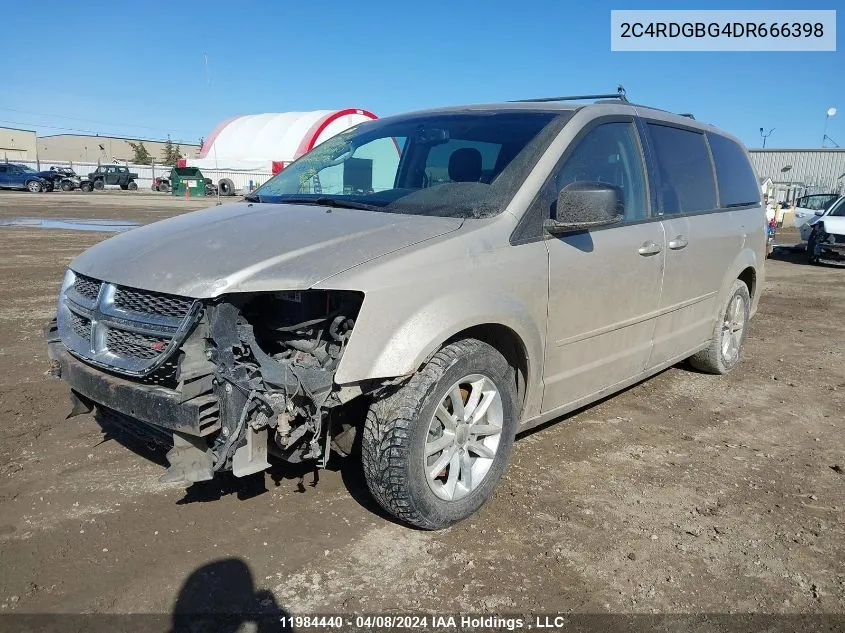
point(417, 290)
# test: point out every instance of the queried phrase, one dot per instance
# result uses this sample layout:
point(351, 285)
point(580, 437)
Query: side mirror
point(819, 213)
point(584, 205)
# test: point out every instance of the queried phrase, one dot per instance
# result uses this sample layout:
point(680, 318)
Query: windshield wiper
point(332, 202)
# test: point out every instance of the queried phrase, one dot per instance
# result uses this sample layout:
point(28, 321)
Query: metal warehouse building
point(796, 172)
point(81, 147)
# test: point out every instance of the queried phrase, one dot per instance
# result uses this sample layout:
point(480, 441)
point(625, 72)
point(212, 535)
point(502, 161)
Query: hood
point(250, 247)
point(833, 224)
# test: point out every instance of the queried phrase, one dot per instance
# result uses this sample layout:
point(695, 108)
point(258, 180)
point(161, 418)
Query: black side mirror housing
point(586, 204)
point(819, 213)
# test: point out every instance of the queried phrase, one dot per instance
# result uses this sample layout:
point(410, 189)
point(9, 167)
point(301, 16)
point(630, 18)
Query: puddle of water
point(73, 224)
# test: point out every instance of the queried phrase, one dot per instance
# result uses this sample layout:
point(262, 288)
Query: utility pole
point(766, 135)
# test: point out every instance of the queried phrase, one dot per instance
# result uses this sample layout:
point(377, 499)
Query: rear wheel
point(86, 187)
point(728, 335)
point(67, 186)
point(33, 186)
point(434, 450)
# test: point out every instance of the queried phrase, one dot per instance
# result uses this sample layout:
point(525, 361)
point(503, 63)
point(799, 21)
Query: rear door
point(702, 240)
point(604, 283)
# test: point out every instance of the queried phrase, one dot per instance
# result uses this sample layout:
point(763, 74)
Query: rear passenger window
point(686, 178)
point(737, 182)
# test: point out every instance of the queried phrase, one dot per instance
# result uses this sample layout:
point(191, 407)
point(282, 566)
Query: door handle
point(649, 248)
point(678, 243)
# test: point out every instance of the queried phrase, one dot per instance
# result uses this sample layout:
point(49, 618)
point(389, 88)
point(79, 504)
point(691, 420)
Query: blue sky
point(141, 71)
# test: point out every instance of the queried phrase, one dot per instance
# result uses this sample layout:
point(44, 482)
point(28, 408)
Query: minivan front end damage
point(229, 379)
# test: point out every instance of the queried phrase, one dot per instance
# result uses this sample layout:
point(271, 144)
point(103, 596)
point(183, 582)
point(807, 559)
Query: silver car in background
point(417, 290)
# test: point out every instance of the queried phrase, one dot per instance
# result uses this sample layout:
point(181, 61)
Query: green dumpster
point(187, 182)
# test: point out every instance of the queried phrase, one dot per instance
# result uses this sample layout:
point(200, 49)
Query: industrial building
point(17, 144)
point(105, 149)
point(797, 172)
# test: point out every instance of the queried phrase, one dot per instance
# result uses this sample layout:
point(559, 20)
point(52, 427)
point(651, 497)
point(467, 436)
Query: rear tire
point(429, 461)
point(728, 335)
point(67, 186)
point(33, 186)
point(86, 187)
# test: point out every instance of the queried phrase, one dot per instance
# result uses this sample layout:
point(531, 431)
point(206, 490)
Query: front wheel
point(86, 187)
point(132, 186)
point(67, 186)
point(728, 334)
point(434, 450)
point(812, 258)
point(99, 184)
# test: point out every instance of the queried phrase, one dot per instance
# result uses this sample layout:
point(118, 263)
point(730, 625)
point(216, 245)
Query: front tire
point(86, 187)
point(811, 249)
point(132, 186)
point(99, 184)
point(434, 450)
point(728, 334)
point(67, 186)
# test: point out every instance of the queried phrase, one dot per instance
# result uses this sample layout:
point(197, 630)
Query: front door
point(604, 284)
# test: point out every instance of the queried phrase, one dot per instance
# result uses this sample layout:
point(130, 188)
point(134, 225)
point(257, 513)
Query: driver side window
point(609, 154)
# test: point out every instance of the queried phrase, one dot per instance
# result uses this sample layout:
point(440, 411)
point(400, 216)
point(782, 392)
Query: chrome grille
point(127, 330)
point(146, 302)
point(87, 287)
point(125, 343)
point(81, 326)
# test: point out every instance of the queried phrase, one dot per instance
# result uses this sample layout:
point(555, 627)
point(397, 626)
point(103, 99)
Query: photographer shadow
point(221, 596)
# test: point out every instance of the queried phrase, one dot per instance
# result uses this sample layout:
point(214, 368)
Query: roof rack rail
point(618, 95)
point(688, 115)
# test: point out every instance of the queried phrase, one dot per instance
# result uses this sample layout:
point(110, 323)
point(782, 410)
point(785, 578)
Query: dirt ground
point(688, 493)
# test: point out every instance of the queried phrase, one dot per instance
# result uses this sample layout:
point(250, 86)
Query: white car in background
point(808, 208)
point(825, 234)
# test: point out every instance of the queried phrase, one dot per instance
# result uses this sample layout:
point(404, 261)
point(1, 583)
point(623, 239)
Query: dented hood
point(249, 247)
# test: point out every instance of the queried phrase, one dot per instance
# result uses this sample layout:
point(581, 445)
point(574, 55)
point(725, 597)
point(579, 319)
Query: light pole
point(831, 112)
point(766, 135)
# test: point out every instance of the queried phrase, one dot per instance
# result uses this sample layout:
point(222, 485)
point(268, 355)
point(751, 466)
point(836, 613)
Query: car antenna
point(620, 94)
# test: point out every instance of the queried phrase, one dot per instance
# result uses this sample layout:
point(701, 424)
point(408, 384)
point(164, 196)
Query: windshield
point(466, 164)
point(25, 168)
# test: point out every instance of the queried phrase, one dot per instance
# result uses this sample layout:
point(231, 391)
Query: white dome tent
point(270, 141)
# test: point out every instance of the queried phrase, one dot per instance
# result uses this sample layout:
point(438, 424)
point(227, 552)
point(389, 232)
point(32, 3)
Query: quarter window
point(610, 154)
point(737, 182)
point(683, 164)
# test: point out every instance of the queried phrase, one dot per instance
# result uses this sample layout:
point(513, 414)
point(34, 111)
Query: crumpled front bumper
point(162, 407)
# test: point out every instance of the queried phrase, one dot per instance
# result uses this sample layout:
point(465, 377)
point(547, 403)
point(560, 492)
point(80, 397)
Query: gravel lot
point(688, 493)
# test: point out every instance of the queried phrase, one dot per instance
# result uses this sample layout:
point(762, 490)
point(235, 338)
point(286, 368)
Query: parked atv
point(65, 179)
point(113, 175)
point(162, 184)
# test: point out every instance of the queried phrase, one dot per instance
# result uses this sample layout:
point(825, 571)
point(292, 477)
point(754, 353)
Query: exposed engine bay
point(261, 367)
